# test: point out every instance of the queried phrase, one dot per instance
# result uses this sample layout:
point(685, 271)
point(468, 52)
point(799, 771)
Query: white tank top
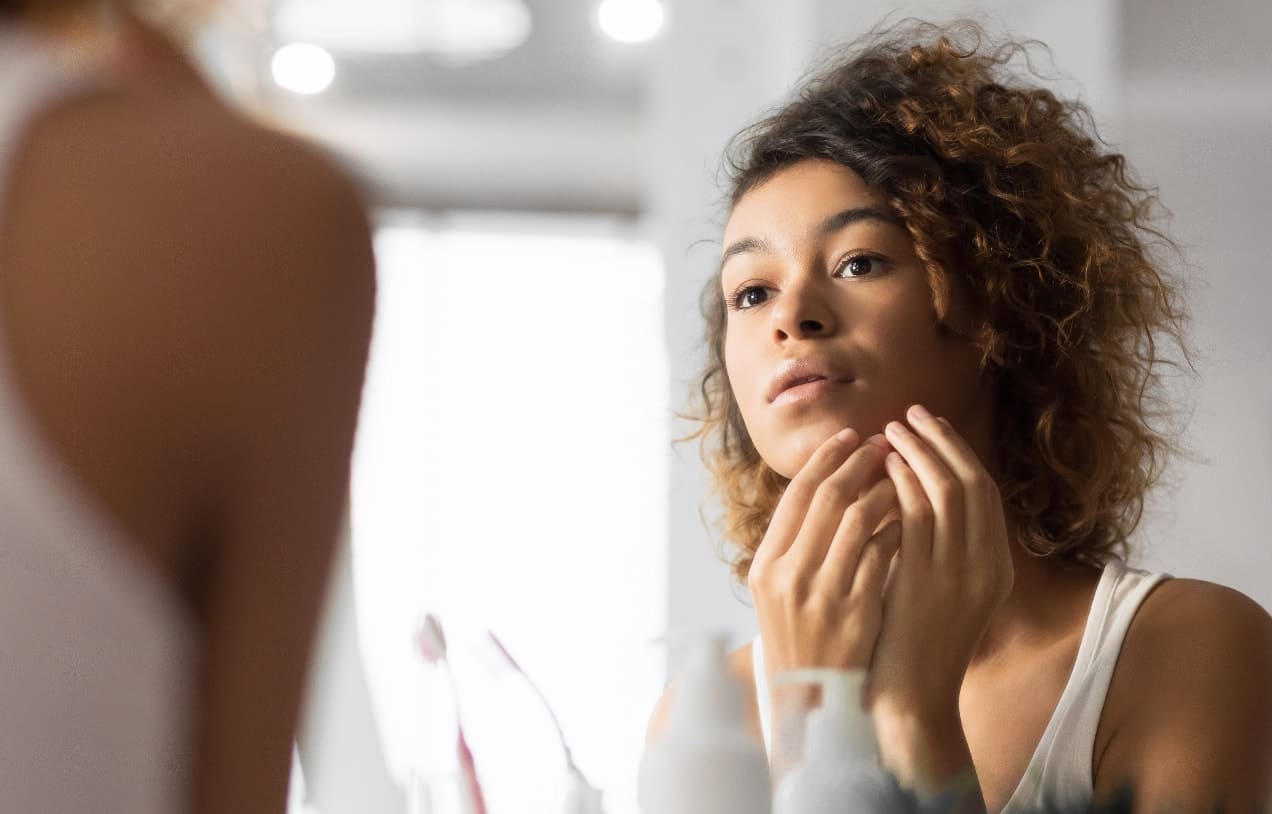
point(1059, 774)
point(96, 648)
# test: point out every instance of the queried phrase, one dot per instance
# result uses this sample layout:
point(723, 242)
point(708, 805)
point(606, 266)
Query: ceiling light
point(468, 30)
point(631, 20)
point(303, 68)
point(454, 30)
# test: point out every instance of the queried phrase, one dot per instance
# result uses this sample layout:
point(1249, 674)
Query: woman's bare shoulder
point(178, 143)
point(180, 264)
point(178, 188)
point(1191, 688)
point(1195, 634)
point(132, 208)
point(1183, 616)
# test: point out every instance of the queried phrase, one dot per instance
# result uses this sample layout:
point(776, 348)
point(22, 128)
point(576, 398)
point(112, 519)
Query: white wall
point(1196, 119)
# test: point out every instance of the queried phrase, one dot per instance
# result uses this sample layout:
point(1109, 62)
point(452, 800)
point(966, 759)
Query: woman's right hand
point(818, 576)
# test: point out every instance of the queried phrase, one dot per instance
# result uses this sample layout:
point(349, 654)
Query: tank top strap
point(1059, 774)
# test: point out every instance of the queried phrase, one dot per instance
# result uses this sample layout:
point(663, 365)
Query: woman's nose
point(802, 313)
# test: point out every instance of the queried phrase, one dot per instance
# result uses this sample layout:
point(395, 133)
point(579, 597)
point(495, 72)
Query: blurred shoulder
point(200, 280)
point(177, 196)
point(229, 252)
point(176, 156)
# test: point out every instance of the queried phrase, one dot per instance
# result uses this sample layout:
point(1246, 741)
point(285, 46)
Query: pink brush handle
point(469, 768)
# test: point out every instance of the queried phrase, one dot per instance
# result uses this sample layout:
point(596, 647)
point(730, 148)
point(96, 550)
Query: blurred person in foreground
point(185, 311)
point(934, 408)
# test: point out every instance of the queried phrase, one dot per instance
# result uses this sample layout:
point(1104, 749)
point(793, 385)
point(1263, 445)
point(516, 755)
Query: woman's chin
point(798, 447)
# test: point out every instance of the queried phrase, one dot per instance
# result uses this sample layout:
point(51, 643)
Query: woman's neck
point(1049, 601)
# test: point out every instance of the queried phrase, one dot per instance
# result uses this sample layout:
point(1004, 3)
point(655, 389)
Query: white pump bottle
point(706, 760)
point(839, 770)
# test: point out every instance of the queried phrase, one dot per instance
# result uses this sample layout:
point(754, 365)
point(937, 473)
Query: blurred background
point(544, 182)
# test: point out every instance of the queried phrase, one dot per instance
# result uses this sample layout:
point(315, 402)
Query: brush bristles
point(430, 640)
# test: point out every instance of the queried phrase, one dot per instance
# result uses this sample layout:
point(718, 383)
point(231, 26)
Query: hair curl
point(1008, 194)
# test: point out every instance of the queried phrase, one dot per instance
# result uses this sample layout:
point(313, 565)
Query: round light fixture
point(631, 20)
point(455, 31)
point(303, 68)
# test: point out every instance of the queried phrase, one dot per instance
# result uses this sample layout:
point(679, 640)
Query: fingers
point(918, 520)
point(834, 501)
point(983, 524)
point(789, 515)
point(952, 448)
point(942, 488)
point(876, 558)
point(966, 504)
point(857, 525)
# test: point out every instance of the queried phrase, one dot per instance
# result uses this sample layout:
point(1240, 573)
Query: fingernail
point(896, 427)
point(919, 413)
point(878, 440)
point(848, 436)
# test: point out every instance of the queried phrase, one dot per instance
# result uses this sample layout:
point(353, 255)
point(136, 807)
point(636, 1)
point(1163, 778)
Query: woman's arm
point(293, 374)
point(285, 374)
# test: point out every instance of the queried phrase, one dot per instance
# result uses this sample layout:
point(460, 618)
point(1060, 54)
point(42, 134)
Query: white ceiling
point(553, 125)
point(557, 123)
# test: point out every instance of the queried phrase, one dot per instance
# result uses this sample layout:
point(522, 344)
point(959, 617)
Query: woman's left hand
point(953, 571)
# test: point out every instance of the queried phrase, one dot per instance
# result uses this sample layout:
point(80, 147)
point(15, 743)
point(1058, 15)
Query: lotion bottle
point(839, 770)
point(705, 761)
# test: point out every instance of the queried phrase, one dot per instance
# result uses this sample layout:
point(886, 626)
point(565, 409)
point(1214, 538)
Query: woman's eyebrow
point(828, 226)
point(743, 246)
point(839, 220)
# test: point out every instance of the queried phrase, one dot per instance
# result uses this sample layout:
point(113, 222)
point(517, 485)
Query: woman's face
point(830, 319)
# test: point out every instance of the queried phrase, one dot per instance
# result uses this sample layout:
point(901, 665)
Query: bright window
point(510, 474)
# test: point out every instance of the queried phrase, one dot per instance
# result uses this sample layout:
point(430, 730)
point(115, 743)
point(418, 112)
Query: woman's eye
point(749, 297)
point(858, 266)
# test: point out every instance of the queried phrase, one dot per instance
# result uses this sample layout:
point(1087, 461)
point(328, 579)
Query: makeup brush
point(431, 642)
point(588, 798)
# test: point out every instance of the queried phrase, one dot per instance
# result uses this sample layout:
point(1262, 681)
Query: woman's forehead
point(798, 199)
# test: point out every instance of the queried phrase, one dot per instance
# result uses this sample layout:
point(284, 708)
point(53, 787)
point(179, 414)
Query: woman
point(933, 418)
point(185, 302)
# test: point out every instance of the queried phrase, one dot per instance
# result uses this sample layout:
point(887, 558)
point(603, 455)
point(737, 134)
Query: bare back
point(187, 303)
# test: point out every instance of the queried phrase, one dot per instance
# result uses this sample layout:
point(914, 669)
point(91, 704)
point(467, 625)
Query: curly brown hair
point(1010, 195)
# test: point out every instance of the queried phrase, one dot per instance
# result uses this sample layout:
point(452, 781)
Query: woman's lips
point(806, 391)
